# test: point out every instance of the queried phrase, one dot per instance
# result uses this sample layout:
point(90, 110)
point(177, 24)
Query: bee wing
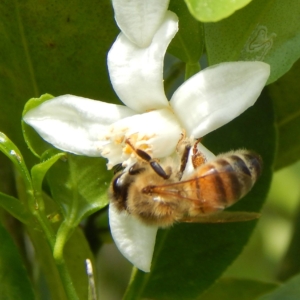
point(208, 189)
point(223, 217)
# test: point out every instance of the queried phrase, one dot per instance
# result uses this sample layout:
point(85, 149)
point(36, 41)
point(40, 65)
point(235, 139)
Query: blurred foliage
point(267, 30)
point(268, 245)
point(15, 284)
point(285, 94)
point(242, 289)
point(289, 290)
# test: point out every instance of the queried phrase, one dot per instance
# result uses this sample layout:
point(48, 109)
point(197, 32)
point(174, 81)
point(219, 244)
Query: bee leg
point(184, 159)
point(153, 163)
point(198, 158)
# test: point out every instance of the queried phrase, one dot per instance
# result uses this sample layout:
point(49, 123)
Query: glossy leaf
point(285, 95)
point(214, 10)
point(289, 291)
point(195, 255)
point(79, 182)
point(15, 283)
point(238, 289)
point(16, 207)
point(188, 43)
point(78, 185)
point(39, 171)
point(264, 30)
point(8, 148)
point(55, 47)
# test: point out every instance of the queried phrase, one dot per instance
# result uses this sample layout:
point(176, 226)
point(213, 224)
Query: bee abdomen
point(247, 163)
point(234, 174)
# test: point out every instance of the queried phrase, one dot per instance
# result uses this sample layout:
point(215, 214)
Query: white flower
point(139, 20)
point(206, 101)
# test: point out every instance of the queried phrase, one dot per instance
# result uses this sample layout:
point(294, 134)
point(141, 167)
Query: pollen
point(127, 150)
point(119, 140)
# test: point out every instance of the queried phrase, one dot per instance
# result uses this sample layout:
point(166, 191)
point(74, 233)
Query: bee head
point(120, 184)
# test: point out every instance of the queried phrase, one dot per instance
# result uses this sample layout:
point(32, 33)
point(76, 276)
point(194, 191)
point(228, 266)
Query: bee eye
point(117, 185)
point(120, 187)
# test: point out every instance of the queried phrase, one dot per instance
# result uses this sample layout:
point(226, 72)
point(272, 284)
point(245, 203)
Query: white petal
point(140, 19)
point(134, 239)
point(137, 74)
point(156, 132)
point(218, 94)
point(75, 124)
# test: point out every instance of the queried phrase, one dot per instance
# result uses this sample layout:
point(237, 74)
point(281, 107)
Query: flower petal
point(140, 19)
point(134, 239)
point(137, 74)
point(74, 124)
point(218, 94)
point(156, 132)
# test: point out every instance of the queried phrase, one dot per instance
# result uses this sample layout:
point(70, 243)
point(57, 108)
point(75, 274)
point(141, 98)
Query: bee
point(156, 194)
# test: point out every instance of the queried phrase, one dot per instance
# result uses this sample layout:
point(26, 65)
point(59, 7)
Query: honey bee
point(156, 194)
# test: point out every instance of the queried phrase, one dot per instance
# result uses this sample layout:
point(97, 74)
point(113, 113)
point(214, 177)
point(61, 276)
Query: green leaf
point(39, 171)
point(13, 153)
point(188, 43)
point(265, 30)
point(33, 140)
point(214, 10)
point(52, 47)
point(239, 289)
point(15, 207)
point(78, 185)
point(11, 204)
point(285, 95)
point(14, 280)
point(195, 255)
point(288, 291)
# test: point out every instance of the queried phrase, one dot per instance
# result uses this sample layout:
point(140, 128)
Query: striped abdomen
point(222, 182)
point(212, 186)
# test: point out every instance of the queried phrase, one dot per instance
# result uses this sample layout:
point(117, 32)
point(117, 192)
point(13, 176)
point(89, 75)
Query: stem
point(60, 263)
point(44, 256)
point(136, 286)
point(139, 279)
point(66, 280)
point(25, 190)
point(63, 234)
